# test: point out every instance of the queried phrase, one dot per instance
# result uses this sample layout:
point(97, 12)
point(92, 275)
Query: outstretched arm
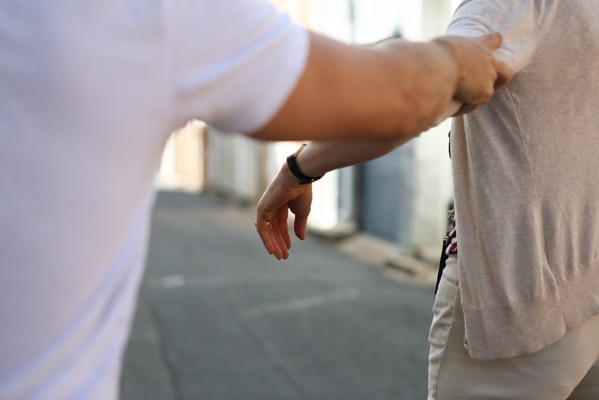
point(393, 91)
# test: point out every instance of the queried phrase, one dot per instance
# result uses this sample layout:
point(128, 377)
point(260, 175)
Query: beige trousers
point(566, 370)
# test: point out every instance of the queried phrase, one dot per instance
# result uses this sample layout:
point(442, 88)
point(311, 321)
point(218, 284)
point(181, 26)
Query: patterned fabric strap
point(450, 246)
point(451, 240)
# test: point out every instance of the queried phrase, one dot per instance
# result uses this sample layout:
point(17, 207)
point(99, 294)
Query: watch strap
point(297, 172)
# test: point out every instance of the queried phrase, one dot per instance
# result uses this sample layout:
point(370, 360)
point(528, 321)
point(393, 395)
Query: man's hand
point(283, 194)
point(480, 73)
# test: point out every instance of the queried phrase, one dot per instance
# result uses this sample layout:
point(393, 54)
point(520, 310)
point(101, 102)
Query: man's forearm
point(392, 92)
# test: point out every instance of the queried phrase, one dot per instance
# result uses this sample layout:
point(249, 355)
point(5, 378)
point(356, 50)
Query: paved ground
point(219, 319)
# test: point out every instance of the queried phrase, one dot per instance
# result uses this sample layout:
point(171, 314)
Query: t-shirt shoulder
point(233, 62)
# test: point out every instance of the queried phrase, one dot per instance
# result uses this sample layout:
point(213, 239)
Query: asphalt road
point(220, 319)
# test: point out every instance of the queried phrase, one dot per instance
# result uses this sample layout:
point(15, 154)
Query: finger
point(279, 249)
point(274, 232)
point(465, 109)
point(504, 74)
point(273, 244)
point(491, 41)
point(280, 234)
point(267, 240)
point(299, 226)
point(281, 228)
point(263, 221)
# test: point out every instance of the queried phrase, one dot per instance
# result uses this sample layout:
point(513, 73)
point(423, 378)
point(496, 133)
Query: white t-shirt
point(89, 92)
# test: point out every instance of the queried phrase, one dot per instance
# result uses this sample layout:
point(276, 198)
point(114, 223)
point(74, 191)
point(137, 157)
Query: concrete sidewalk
point(220, 319)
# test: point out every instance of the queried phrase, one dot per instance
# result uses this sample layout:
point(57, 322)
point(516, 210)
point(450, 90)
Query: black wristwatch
point(294, 168)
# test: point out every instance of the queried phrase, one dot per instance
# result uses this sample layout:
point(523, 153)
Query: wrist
point(294, 168)
point(452, 61)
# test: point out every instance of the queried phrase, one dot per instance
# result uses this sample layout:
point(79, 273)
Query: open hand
point(283, 194)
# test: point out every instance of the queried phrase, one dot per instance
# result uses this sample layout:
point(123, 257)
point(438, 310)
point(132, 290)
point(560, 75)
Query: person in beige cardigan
point(517, 312)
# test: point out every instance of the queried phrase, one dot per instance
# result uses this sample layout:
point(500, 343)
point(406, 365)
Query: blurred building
point(402, 197)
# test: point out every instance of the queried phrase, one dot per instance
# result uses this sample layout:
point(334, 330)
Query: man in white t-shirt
point(517, 311)
point(89, 91)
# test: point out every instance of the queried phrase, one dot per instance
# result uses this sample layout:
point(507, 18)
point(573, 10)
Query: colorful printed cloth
point(450, 246)
point(451, 240)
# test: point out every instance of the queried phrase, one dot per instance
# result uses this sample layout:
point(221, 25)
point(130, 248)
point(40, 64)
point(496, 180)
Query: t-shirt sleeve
point(233, 62)
point(517, 20)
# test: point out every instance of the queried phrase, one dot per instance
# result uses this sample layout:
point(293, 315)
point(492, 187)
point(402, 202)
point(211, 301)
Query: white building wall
point(434, 184)
point(235, 165)
point(416, 20)
point(182, 166)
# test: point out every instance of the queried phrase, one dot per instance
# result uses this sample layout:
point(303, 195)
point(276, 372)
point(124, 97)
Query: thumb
point(299, 226)
point(492, 41)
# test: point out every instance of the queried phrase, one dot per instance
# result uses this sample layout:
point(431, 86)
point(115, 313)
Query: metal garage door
point(387, 194)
